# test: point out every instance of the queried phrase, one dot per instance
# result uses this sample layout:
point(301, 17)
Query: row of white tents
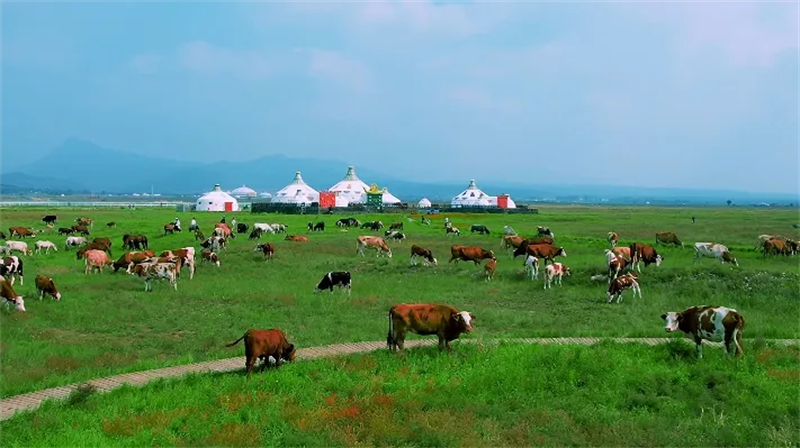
point(350, 190)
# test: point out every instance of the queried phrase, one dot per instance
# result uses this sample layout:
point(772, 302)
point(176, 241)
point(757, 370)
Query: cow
point(547, 252)
point(773, 246)
point(342, 279)
point(74, 241)
point(268, 249)
point(372, 242)
point(170, 229)
point(615, 266)
point(157, 271)
point(452, 230)
point(613, 239)
point(241, 227)
point(425, 319)
point(18, 246)
point(21, 232)
point(620, 284)
point(85, 222)
point(668, 238)
point(396, 226)
point(372, 225)
point(50, 219)
point(46, 285)
point(642, 252)
point(319, 226)
point(511, 242)
point(490, 268)
point(508, 231)
point(532, 266)
point(222, 229)
point(7, 292)
point(2, 236)
point(348, 222)
point(83, 230)
point(255, 234)
point(479, 228)
point(763, 239)
point(296, 238)
point(425, 254)
point(92, 246)
point(12, 267)
point(214, 243)
point(198, 235)
point(522, 249)
point(187, 257)
point(209, 256)
point(65, 231)
point(263, 228)
point(111, 224)
point(131, 259)
point(544, 231)
point(279, 228)
point(96, 259)
point(395, 235)
point(712, 323)
point(792, 245)
point(714, 250)
point(555, 271)
point(46, 245)
point(261, 344)
point(103, 240)
point(470, 253)
point(624, 252)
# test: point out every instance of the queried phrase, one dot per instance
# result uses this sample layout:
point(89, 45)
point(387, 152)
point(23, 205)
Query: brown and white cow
point(712, 323)
point(222, 229)
point(490, 268)
point(18, 246)
point(21, 232)
point(644, 253)
point(612, 238)
point(85, 222)
point(373, 242)
point(620, 284)
point(210, 256)
point(158, 271)
point(668, 238)
point(46, 285)
point(92, 246)
point(555, 271)
point(96, 259)
point(268, 249)
point(624, 252)
point(131, 259)
point(452, 231)
point(261, 344)
point(714, 250)
point(187, 257)
point(424, 319)
point(511, 242)
point(12, 298)
point(296, 238)
point(470, 253)
point(425, 254)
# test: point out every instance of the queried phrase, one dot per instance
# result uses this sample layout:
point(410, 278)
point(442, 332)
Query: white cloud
point(208, 59)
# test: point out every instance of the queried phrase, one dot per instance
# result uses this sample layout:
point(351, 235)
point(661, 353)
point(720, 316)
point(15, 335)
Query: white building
point(217, 200)
point(424, 203)
point(265, 195)
point(474, 197)
point(243, 192)
point(351, 189)
point(297, 192)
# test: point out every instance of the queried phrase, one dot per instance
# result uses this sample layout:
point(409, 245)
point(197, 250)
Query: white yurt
point(472, 197)
point(424, 203)
point(297, 192)
point(351, 189)
point(243, 192)
point(265, 195)
point(389, 198)
point(217, 200)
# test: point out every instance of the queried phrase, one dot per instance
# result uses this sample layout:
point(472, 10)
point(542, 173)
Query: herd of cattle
point(623, 266)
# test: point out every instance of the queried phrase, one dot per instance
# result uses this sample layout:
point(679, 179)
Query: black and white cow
point(12, 266)
point(335, 278)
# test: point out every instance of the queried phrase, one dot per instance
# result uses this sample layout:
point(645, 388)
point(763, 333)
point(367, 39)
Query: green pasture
point(106, 324)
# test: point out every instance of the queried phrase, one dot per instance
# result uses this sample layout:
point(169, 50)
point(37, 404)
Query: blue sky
point(623, 93)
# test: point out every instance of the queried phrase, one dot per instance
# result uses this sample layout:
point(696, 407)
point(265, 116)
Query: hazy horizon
point(657, 95)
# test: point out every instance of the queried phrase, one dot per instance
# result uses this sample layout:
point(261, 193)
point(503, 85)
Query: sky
point(694, 95)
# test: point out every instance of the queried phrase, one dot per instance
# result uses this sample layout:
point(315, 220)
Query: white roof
point(265, 195)
point(297, 192)
point(351, 190)
point(217, 195)
point(243, 191)
point(389, 198)
point(424, 203)
point(472, 196)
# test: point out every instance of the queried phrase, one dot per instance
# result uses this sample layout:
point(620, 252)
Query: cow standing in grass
point(712, 323)
point(261, 344)
point(423, 319)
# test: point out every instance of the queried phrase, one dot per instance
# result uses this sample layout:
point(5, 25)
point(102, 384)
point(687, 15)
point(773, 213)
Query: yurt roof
point(471, 196)
point(265, 195)
point(424, 202)
point(290, 192)
point(244, 190)
point(216, 194)
point(389, 198)
point(350, 184)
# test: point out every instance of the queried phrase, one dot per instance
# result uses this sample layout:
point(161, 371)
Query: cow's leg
point(250, 363)
point(698, 347)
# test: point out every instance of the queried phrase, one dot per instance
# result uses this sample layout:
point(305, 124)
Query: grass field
point(604, 395)
point(107, 324)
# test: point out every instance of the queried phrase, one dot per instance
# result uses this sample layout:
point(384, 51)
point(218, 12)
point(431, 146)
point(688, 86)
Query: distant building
point(424, 203)
point(217, 200)
point(297, 192)
point(474, 197)
point(243, 192)
point(351, 189)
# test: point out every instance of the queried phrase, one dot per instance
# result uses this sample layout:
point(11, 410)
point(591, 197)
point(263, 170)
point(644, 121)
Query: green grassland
point(106, 324)
point(511, 395)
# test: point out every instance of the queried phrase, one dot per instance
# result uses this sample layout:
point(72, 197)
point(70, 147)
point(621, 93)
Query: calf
point(373, 242)
point(620, 284)
point(210, 256)
point(712, 323)
point(45, 285)
point(426, 254)
point(490, 268)
point(426, 319)
point(12, 298)
point(555, 271)
point(714, 250)
point(668, 238)
point(532, 266)
point(18, 246)
point(341, 279)
point(157, 271)
point(261, 344)
point(470, 253)
point(642, 252)
point(613, 239)
point(268, 249)
point(479, 228)
point(96, 259)
point(296, 238)
point(46, 245)
point(12, 267)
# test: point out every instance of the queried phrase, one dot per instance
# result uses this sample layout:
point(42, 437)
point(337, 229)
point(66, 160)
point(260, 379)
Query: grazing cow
point(624, 252)
point(470, 253)
point(214, 243)
point(198, 235)
point(396, 226)
point(547, 252)
point(532, 266)
point(222, 229)
point(83, 230)
point(544, 231)
point(18, 246)
point(12, 298)
point(426, 319)
point(268, 249)
point(85, 222)
point(12, 267)
point(157, 271)
point(263, 227)
point(170, 228)
point(102, 240)
point(342, 279)
point(615, 266)
point(296, 238)
point(314, 227)
point(763, 239)
point(279, 228)
point(134, 242)
point(620, 284)
point(46, 245)
point(255, 234)
point(712, 323)
point(773, 246)
point(131, 259)
point(490, 268)
point(395, 235)
point(792, 245)
point(714, 250)
point(242, 227)
point(21, 232)
point(452, 230)
point(372, 225)
point(92, 246)
point(642, 252)
point(74, 241)
point(555, 271)
point(96, 259)
point(261, 344)
point(50, 219)
point(186, 255)
point(348, 222)
point(111, 224)
point(65, 231)
point(209, 256)
point(668, 238)
point(372, 242)
point(46, 285)
point(522, 249)
point(508, 231)
point(613, 239)
point(479, 228)
point(426, 254)
point(511, 242)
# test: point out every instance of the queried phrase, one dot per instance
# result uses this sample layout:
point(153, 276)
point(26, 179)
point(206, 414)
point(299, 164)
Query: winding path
point(32, 400)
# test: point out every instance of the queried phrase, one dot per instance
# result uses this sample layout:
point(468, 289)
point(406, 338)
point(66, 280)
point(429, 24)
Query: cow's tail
point(390, 336)
point(236, 341)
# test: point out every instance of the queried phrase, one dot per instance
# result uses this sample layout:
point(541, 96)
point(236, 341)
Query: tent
point(297, 192)
point(471, 197)
point(351, 189)
point(217, 200)
point(424, 203)
point(243, 192)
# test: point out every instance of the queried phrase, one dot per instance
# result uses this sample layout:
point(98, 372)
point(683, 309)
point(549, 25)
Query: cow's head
point(561, 252)
point(567, 271)
point(289, 353)
point(659, 259)
point(19, 304)
point(58, 296)
point(672, 321)
point(463, 321)
point(435, 261)
point(726, 256)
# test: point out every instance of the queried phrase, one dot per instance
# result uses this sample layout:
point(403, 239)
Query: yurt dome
point(471, 197)
point(424, 203)
point(351, 189)
point(297, 192)
point(243, 191)
point(217, 200)
point(265, 195)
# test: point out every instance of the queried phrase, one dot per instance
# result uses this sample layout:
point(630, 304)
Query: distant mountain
point(26, 182)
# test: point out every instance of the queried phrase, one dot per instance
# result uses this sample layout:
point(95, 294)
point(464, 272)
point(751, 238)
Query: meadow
point(107, 324)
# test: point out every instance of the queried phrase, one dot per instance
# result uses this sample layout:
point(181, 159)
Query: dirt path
point(32, 400)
